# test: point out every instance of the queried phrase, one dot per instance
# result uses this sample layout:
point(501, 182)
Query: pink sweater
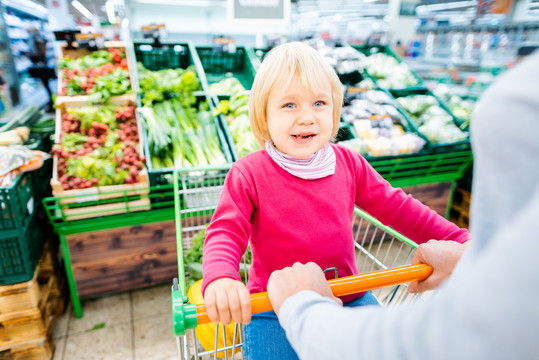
point(288, 219)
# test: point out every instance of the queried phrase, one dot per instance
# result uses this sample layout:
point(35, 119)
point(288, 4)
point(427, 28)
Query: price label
point(90, 41)
point(154, 31)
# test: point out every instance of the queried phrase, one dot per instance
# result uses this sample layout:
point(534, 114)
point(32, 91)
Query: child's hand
point(442, 256)
point(228, 300)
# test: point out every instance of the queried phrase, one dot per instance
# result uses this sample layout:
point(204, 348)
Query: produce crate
point(384, 49)
point(226, 130)
point(434, 147)
point(19, 202)
point(20, 250)
point(80, 52)
point(347, 132)
point(169, 55)
point(84, 203)
point(28, 311)
point(159, 177)
point(417, 169)
point(220, 65)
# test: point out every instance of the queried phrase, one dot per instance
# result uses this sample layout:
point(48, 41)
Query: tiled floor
point(128, 326)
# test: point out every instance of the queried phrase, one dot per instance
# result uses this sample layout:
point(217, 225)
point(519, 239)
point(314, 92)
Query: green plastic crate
point(434, 147)
point(166, 56)
point(20, 201)
point(415, 169)
point(20, 251)
point(260, 53)
point(171, 55)
point(220, 65)
point(164, 176)
point(384, 49)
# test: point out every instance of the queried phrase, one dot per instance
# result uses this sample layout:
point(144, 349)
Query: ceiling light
point(77, 5)
point(109, 7)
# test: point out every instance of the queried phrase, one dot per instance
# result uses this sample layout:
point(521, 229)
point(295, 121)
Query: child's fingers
point(240, 305)
point(245, 300)
point(211, 306)
point(234, 306)
point(224, 310)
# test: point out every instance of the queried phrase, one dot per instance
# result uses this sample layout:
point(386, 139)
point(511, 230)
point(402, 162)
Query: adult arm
point(487, 310)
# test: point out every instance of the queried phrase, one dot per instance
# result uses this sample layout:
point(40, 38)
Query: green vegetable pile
point(431, 119)
point(193, 258)
point(460, 107)
point(98, 147)
point(181, 131)
point(388, 72)
point(236, 111)
point(100, 75)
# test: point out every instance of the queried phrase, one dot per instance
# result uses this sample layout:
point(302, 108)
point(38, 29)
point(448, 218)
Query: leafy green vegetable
point(236, 111)
point(181, 131)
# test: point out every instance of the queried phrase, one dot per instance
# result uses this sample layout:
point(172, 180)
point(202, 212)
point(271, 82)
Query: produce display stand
point(78, 204)
point(379, 248)
point(172, 55)
point(131, 216)
point(197, 190)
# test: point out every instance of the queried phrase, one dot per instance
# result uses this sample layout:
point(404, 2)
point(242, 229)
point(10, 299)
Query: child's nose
point(305, 117)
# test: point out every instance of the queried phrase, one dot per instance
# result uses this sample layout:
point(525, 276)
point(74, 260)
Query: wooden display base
point(125, 258)
point(74, 200)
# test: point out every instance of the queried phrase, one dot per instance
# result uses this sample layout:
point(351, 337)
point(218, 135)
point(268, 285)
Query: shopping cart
point(381, 254)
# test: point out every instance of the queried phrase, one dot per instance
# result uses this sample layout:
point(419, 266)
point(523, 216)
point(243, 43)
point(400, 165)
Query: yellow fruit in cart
point(206, 332)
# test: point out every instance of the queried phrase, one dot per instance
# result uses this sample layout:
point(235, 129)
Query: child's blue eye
point(319, 103)
point(289, 106)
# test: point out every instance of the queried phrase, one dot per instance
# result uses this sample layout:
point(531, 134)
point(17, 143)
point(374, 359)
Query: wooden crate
point(27, 320)
point(19, 300)
point(80, 52)
point(125, 258)
point(100, 192)
point(460, 208)
point(26, 333)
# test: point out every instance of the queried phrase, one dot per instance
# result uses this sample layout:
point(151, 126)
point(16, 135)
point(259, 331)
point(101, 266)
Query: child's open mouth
point(303, 138)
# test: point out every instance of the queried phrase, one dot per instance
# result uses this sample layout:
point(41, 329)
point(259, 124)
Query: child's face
point(300, 119)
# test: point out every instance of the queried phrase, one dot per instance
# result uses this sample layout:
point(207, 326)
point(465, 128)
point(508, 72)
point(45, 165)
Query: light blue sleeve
point(487, 310)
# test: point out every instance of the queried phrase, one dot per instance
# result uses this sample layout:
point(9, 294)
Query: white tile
point(61, 325)
point(152, 301)
point(110, 310)
point(154, 339)
point(59, 346)
point(109, 343)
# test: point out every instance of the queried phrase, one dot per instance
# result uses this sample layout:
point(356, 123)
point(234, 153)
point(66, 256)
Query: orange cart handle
point(344, 286)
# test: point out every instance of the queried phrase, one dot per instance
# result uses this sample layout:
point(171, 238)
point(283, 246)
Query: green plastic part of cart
point(184, 316)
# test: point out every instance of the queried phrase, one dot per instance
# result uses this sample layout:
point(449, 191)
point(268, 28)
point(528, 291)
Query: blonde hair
point(292, 59)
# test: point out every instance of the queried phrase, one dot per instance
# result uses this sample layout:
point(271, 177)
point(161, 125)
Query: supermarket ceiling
point(331, 11)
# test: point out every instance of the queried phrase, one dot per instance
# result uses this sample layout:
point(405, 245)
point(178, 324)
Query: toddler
point(294, 200)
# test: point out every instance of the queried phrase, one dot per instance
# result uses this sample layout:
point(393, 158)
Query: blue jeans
point(265, 339)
